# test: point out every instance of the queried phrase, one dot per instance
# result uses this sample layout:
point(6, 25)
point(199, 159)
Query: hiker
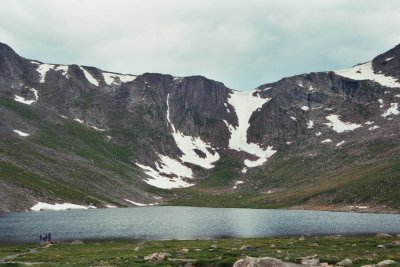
point(41, 238)
point(49, 237)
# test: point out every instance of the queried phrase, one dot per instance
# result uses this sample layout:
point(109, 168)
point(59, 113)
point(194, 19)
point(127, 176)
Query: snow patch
point(89, 77)
point(340, 126)
point(326, 141)
point(318, 133)
point(244, 170)
point(393, 110)
point(289, 142)
point(310, 124)
point(381, 103)
point(27, 102)
point(244, 104)
point(305, 108)
point(160, 181)
point(21, 133)
point(115, 78)
point(63, 69)
point(397, 95)
point(374, 127)
point(188, 145)
point(293, 118)
point(237, 183)
point(389, 58)
point(97, 129)
point(340, 143)
point(369, 122)
point(111, 206)
point(65, 206)
point(43, 69)
point(136, 203)
point(78, 120)
point(366, 72)
point(311, 89)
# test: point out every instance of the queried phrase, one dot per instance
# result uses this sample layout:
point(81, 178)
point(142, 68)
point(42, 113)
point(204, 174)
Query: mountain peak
point(4, 48)
point(388, 63)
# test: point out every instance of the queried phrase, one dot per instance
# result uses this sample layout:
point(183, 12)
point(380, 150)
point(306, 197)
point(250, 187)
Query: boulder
point(383, 235)
point(345, 262)
point(77, 242)
point(156, 257)
point(386, 262)
point(184, 250)
point(247, 247)
point(260, 262)
point(381, 246)
point(309, 260)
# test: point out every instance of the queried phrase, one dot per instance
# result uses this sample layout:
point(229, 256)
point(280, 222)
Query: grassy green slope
point(65, 160)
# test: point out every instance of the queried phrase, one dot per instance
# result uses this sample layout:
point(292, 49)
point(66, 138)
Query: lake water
point(187, 223)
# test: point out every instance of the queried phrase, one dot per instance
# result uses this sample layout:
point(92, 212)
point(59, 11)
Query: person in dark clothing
point(41, 237)
point(49, 237)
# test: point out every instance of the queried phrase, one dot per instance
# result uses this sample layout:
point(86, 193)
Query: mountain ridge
point(133, 132)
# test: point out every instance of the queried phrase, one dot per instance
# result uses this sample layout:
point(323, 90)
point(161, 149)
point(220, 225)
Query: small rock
point(273, 246)
point(323, 264)
point(247, 247)
point(184, 250)
point(309, 260)
point(381, 246)
point(302, 238)
point(197, 249)
point(345, 262)
point(213, 246)
point(155, 257)
point(383, 235)
point(312, 262)
point(77, 242)
point(259, 262)
point(396, 243)
point(386, 262)
point(137, 249)
point(369, 265)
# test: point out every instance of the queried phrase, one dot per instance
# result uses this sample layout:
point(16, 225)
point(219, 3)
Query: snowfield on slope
point(340, 126)
point(65, 206)
point(189, 144)
point(167, 166)
point(20, 133)
point(244, 104)
point(89, 77)
point(393, 110)
point(27, 102)
point(173, 168)
point(365, 72)
point(43, 68)
point(115, 78)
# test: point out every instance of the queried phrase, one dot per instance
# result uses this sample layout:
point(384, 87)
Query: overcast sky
point(240, 43)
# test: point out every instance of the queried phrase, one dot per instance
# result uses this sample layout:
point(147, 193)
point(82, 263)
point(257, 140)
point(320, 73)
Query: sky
point(241, 43)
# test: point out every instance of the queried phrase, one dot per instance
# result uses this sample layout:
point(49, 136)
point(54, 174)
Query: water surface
point(158, 223)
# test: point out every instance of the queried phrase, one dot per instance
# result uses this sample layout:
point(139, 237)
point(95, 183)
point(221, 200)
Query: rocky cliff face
point(84, 135)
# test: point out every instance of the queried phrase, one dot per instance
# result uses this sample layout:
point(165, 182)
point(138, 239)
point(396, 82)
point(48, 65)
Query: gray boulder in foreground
point(386, 262)
point(262, 262)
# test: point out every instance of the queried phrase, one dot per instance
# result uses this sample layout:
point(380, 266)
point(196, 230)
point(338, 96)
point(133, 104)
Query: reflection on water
point(187, 223)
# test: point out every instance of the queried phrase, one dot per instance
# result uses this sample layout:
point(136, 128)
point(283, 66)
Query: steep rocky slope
point(83, 135)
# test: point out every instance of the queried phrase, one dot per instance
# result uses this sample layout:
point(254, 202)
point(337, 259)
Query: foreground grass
point(222, 252)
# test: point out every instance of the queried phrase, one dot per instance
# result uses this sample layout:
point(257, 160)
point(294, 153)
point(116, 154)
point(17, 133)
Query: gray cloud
point(241, 43)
